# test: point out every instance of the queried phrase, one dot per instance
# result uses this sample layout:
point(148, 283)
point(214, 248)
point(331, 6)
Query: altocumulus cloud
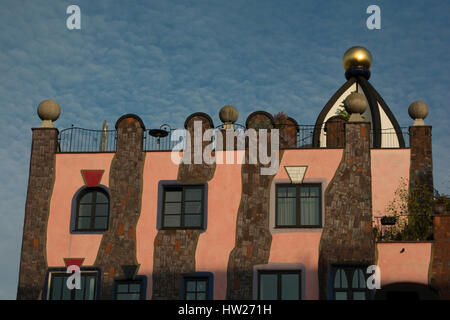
point(166, 59)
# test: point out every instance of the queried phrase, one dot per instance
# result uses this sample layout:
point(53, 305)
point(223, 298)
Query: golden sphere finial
point(357, 57)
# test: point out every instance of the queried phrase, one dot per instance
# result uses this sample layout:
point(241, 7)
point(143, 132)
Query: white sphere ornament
point(355, 104)
point(418, 111)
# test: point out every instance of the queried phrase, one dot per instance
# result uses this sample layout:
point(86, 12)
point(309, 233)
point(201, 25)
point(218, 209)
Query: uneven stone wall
point(33, 262)
point(253, 237)
point(440, 256)
point(347, 236)
point(421, 168)
point(118, 245)
point(174, 250)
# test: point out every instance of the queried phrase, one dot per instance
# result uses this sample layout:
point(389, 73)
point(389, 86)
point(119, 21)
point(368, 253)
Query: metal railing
point(77, 139)
point(85, 140)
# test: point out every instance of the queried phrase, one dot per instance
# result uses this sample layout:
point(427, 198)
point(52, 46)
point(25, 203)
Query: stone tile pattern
point(440, 256)
point(118, 245)
point(33, 263)
point(347, 235)
point(174, 250)
point(335, 129)
point(421, 167)
point(253, 237)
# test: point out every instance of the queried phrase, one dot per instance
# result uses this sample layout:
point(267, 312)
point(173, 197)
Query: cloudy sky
point(164, 60)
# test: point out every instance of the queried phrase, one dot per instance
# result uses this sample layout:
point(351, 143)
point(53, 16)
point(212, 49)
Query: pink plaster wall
point(60, 242)
point(215, 244)
point(410, 266)
point(158, 166)
point(388, 167)
point(303, 246)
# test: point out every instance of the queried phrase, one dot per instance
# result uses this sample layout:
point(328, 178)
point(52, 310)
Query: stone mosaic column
point(118, 245)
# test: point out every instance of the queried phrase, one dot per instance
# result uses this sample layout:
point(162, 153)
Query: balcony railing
point(85, 140)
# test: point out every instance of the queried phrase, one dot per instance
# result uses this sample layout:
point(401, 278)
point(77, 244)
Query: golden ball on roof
point(357, 57)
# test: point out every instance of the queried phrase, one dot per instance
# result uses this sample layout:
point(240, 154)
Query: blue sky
point(164, 60)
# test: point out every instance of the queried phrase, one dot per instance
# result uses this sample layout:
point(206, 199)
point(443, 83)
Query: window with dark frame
point(183, 207)
point(298, 205)
point(349, 283)
point(279, 285)
point(59, 291)
point(92, 210)
point(128, 289)
point(196, 288)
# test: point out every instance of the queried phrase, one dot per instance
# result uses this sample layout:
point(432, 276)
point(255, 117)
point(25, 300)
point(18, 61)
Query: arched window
point(92, 210)
point(340, 285)
point(349, 283)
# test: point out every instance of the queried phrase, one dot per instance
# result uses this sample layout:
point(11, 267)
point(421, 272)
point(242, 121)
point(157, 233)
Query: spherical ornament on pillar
point(418, 111)
point(49, 111)
point(355, 104)
point(228, 115)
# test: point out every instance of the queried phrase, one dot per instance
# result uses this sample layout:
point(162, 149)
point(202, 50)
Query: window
point(279, 285)
point(60, 291)
point(196, 288)
point(349, 283)
point(129, 289)
point(298, 206)
point(183, 207)
point(92, 210)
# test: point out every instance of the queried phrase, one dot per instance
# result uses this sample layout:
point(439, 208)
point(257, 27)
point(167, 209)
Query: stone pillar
point(174, 250)
point(347, 236)
point(421, 167)
point(33, 263)
point(118, 245)
point(253, 237)
point(440, 256)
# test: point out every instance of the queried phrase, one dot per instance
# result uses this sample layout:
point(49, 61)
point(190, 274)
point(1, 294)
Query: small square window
point(279, 285)
point(129, 289)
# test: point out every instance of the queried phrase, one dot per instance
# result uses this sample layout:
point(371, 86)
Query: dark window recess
point(196, 288)
point(298, 206)
point(60, 291)
point(279, 285)
point(128, 289)
point(92, 210)
point(350, 283)
point(183, 207)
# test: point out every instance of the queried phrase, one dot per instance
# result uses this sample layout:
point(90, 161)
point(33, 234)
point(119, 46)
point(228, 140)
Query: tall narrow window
point(183, 207)
point(349, 283)
point(279, 285)
point(92, 210)
point(59, 290)
point(298, 206)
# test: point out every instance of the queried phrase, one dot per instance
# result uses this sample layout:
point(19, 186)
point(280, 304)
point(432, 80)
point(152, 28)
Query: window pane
point(201, 286)
point(90, 287)
point(304, 191)
point(193, 207)
point(201, 296)
point(193, 194)
point(268, 287)
point(172, 208)
point(190, 296)
point(101, 198)
point(341, 295)
point(79, 293)
point(281, 192)
point(192, 220)
point(101, 210)
point(173, 196)
point(67, 294)
point(172, 221)
point(101, 223)
point(314, 191)
point(87, 198)
point(84, 223)
point(340, 280)
point(191, 286)
point(309, 211)
point(85, 210)
point(286, 213)
point(122, 287)
point(291, 192)
point(56, 286)
point(290, 287)
point(358, 280)
point(135, 287)
point(359, 296)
